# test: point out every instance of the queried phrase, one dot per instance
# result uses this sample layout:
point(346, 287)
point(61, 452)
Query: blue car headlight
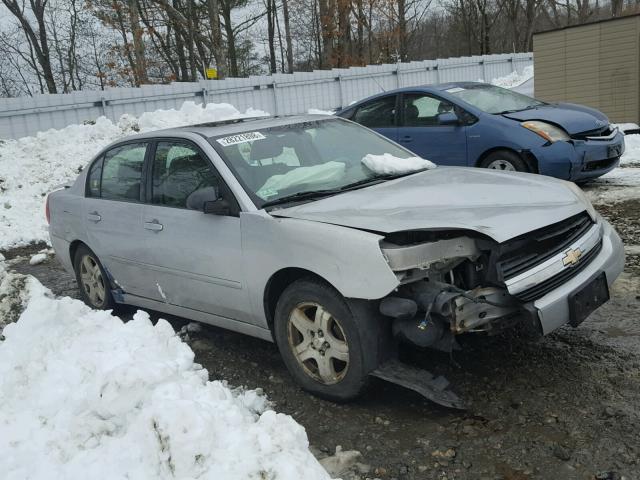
point(549, 132)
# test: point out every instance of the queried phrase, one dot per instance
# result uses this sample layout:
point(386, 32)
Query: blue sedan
point(481, 125)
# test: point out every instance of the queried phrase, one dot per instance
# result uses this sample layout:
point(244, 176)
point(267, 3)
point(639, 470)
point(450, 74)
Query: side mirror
point(208, 200)
point(448, 118)
point(217, 207)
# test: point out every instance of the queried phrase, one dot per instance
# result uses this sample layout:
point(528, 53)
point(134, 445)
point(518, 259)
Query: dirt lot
point(563, 407)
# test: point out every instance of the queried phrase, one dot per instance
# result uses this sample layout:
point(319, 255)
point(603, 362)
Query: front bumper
point(553, 308)
point(580, 160)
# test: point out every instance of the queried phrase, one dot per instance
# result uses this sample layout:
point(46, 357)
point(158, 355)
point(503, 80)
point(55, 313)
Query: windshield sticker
point(240, 138)
point(454, 90)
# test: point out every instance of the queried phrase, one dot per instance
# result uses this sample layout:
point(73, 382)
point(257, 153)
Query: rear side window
point(378, 113)
point(95, 176)
point(178, 171)
point(122, 173)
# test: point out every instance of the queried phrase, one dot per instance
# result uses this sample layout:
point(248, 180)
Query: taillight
point(46, 211)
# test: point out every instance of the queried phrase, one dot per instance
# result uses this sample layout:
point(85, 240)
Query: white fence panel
point(280, 94)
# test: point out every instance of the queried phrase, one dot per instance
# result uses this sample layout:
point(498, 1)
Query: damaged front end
point(446, 288)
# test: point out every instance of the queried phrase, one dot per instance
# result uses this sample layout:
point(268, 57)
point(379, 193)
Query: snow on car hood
point(573, 118)
point(498, 204)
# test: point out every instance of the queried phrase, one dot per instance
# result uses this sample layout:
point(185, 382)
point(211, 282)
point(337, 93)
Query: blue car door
point(422, 130)
point(380, 114)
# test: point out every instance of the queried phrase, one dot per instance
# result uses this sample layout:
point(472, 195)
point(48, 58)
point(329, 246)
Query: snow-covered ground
point(86, 396)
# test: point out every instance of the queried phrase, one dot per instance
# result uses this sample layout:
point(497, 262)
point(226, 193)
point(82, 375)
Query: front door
point(421, 132)
point(379, 114)
point(113, 214)
point(193, 259)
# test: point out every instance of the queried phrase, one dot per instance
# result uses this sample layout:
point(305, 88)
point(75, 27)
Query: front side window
point(122, 173)
point(423, 110)
point(280, 161)
point(378, 113)
point(179, 170)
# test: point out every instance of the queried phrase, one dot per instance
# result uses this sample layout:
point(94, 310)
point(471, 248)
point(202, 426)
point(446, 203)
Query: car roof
point(429, 88)
point(230, 126)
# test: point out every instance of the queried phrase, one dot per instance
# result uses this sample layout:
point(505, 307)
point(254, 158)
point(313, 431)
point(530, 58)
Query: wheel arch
point(526, 155)
point(277, 284)
point(73, 248)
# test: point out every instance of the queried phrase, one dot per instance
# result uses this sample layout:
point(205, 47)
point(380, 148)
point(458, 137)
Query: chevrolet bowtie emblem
point(571, 257)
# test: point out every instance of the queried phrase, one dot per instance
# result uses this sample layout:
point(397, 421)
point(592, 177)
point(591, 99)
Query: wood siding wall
point(596, 65)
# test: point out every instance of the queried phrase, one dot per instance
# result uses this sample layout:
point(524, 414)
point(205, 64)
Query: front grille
point(527, 251)
point(599, 164)
point(598, 132)
point(542, 288)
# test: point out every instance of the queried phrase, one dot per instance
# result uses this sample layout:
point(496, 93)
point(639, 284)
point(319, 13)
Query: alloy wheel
point(504, 165)
point(92, 280)
point(318, 343)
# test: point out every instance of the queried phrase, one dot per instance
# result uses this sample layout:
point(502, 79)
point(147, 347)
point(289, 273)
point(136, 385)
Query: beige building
point(596, 64)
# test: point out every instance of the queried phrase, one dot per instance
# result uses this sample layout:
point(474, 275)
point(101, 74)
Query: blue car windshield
point(492, 99)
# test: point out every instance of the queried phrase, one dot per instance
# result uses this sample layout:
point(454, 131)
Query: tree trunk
point(38, 41)
point(616, 7)
point(138, 44)
point(287, 35)
point(231, 42)
point(213, 10)
point(271, 33)
point(403, 41)
point(327, 27)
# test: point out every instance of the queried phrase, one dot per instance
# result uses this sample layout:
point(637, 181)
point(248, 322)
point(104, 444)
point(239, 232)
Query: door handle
point(94, 217)
point(154, 225)
point(406, 138)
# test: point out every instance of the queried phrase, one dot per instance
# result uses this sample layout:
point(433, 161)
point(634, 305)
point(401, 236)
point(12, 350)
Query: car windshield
point(492, 99)
point(300, 160)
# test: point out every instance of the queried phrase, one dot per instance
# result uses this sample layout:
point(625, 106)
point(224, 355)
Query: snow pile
point(631, 154)
point(317, 111)
point(387, 164)
point(514, 79)
point(85, 395)
point(31, 167)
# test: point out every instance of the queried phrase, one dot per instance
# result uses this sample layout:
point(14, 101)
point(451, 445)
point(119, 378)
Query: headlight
point(547, 131)
point(578, 192)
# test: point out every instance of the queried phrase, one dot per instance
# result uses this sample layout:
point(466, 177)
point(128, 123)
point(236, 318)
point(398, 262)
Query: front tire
point(92, 280)
point(505, 160)
point(320, 341)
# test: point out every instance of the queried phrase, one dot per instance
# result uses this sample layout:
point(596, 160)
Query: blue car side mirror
point(448, 118)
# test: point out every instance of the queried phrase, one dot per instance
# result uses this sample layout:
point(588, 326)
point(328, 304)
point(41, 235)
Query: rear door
point(113, 213)
point(193, 259)
point(379, 114)
point(421, 131)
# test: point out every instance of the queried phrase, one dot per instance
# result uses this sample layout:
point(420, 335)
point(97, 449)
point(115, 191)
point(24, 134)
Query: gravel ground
point(562, 407)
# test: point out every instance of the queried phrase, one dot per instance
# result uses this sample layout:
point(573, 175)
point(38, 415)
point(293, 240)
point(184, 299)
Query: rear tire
point(320, 341)
point(92, 280)
point(505, 160)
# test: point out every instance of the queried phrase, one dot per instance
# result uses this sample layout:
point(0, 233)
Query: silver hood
point(498, 204)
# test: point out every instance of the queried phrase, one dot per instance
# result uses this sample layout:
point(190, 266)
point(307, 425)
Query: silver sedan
point(277, 228)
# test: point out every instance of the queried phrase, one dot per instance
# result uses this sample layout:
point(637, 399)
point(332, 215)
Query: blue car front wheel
point(505, 160)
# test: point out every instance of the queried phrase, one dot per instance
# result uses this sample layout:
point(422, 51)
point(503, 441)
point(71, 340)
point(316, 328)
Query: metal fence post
point(275, 97)
point(103, 104)
point(205, 97)
point(340, 92)
point(484, 69)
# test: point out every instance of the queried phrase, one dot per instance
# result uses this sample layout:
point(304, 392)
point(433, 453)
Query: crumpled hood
point(501, 205)
point(573, 118)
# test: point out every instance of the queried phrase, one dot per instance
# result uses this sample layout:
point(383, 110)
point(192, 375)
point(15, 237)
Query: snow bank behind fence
point(31, 167)
point(86, 396)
